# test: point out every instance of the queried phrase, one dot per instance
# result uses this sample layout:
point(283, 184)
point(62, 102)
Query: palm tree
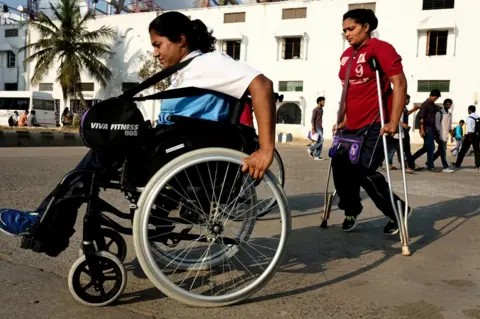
point(69, 43)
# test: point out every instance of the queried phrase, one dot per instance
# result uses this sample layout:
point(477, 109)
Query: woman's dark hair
point(362, 16)
point(172, 24)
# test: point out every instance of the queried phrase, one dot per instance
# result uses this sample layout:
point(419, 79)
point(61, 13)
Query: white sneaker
point(309, 153)
point(448, 170)
point(319, 158)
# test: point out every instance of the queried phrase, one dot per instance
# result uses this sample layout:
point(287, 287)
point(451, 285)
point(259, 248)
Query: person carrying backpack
point(458, 135)
point(472, 138)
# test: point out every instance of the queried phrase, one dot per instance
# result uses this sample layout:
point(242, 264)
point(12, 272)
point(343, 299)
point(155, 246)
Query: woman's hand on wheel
point(257, 163)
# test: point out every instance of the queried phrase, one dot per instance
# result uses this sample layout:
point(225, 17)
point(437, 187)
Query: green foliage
point(151, 66)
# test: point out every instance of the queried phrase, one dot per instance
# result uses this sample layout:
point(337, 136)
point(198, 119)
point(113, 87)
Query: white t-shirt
point(213, 71)
point(471, 122)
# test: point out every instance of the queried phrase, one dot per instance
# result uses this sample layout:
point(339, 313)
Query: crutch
point(402, 222)
point(329, 197)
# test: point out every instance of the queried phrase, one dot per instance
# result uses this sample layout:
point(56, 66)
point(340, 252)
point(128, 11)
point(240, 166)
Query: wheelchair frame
point(93, 241)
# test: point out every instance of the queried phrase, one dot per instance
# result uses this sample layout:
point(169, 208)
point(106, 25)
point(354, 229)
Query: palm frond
point(45, 21)
point(104, 33)
point(39, 45)
point(89, 16)
point(93, 49)
point(58, 14)
point(44, 30)
point(43, 66)
point(40, 54)
point(96, 69)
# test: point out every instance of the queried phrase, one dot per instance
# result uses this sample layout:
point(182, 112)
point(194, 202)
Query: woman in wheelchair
point(175, 39)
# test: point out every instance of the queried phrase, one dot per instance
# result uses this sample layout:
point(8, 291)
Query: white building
point(297, 44)
point(12, 75)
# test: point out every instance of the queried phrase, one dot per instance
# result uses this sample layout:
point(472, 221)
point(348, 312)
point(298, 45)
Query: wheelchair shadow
point(306, 205)
point(313, 250)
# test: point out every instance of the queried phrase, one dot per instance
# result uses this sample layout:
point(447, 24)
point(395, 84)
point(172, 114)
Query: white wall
point(15, 74)
point(399, 21)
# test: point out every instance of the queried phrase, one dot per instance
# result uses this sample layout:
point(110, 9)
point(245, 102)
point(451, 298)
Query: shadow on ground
point(311, 248)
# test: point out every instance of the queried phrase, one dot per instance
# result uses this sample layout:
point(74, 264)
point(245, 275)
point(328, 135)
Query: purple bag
point(348, 141)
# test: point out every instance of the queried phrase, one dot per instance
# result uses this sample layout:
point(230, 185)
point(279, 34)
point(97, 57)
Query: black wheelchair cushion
point(114, 125)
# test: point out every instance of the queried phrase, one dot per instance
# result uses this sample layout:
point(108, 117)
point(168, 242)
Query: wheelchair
point(188, 176)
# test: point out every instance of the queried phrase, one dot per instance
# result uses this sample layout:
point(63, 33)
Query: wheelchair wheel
point(211, 219)
point(98, 288)
point(280, 174)
point(111, 238)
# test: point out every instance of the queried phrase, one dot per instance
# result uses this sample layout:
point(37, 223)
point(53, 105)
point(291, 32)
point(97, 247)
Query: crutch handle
point(374, 64)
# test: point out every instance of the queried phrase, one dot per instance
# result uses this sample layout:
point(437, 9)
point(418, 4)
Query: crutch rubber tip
point(324, 224)
point(406, 251)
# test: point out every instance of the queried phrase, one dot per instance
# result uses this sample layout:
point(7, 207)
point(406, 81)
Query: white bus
point(20, 101)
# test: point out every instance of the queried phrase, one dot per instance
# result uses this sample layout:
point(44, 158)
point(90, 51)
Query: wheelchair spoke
point(223, 249)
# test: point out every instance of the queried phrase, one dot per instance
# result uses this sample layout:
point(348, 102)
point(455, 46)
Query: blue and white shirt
point(213, 71)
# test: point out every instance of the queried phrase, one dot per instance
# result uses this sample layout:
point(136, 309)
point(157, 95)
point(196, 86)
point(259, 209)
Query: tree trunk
point(82, 100)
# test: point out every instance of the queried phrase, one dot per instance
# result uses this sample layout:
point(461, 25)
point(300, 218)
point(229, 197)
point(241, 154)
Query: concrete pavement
point(326, 274)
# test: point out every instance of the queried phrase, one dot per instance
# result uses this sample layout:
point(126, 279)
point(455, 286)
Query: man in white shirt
point(471, 138)
point(443, 123)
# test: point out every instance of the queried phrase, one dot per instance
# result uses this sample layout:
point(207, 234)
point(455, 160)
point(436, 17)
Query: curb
point(39, 139)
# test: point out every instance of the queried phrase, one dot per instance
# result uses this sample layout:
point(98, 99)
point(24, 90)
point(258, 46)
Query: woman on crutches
point(357, 151)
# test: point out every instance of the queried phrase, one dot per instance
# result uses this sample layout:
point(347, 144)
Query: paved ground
point(327, 273)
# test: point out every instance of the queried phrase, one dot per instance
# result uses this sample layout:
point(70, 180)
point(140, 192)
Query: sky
point(165, 4)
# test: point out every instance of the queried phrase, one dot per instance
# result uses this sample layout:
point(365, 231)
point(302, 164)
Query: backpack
point(10, 121)
point(476, 129)
point(116, 125)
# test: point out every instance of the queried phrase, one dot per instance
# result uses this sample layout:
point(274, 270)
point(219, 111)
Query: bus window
point(38, 104)
point(49, 105)
point(14, 103)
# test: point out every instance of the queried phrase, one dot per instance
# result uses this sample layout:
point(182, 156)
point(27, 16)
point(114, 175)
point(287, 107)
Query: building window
point(128, 85)
point(11, 86)
point(11, 33)
point(437, 42)
point(87, 86)
point(429, 85)
point(45, 87)
point(438, 4)
point(295, 86)
point(289, 113)
point(232, 48)
point(234, 17)
point(10, 59)
point(368, 5)
point(294, 13)
point(291, 48)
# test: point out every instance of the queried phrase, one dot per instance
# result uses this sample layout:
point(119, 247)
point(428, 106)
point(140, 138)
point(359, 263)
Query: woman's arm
point(261, 91)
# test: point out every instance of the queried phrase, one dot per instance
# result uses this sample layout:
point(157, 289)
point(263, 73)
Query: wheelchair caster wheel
point(101, 289)
point(111, 237)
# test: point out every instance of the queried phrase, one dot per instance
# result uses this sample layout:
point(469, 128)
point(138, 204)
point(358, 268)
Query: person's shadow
point(310, 249)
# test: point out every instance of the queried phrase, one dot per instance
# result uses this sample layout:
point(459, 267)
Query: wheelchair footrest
point(50, 245)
